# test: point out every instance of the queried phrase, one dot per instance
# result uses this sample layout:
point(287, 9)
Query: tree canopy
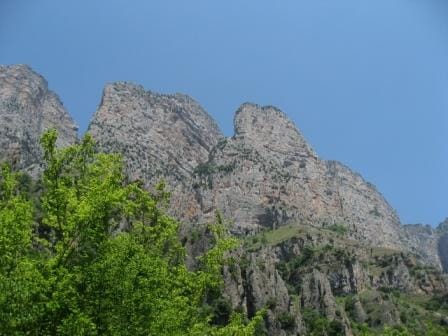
point(88, 254)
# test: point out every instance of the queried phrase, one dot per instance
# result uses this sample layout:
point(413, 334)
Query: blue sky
point(365, 81)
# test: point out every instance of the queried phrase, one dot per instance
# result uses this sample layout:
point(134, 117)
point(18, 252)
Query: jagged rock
point(265, 282)
point(397, 276)
point(263, 178)
point(317, 294)
point(359, 314)
point(159, 135)
point(27, 109)
point(269, 129)
point(422, 240)
point(442, 244)
point(255, 283)
point(351, 278)
point(430, 244)
point(267, 176)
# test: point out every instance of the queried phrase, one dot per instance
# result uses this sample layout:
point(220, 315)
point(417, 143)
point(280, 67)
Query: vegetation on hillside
point(84, 253)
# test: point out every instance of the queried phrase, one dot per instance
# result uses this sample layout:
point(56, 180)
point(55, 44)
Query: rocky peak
point(160, 136)
point(269, 128)
point(27, 109)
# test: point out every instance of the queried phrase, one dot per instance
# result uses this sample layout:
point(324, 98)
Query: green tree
point(21, 283)
point(105, 258)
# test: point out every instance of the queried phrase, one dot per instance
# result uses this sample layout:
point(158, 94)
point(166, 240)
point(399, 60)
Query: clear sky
point(365, 81)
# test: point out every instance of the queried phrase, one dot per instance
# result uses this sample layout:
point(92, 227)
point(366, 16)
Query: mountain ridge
point(311, 228)
point(176, 130)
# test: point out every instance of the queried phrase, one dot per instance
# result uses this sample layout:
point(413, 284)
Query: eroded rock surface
point(27, 109)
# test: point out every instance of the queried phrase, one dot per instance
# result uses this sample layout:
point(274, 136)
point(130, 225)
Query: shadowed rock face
point(431, 244)
point(422, 240)
point(443, 251)
point(27, 109)
point(442, 230)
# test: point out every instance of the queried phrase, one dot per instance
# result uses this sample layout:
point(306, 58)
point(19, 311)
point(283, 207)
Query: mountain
point(159, 135)
point(320, 244)
point(264, 177)
point(28, 108)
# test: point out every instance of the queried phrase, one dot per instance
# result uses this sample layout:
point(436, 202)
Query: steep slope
point(321, 246)
point(263, 177)
point(310, 277)
point(159, 135)
point(431, 244)
point(268, 176)
point(28, 108)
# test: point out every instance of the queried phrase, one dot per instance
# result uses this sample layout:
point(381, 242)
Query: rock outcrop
point(319, 241)
point(263, 177)
point(320, 270)
point(160, 136)
point(268, 176)
point(27, 109)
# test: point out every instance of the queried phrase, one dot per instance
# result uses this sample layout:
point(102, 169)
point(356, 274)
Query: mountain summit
point(28, 108)
point(316, 237)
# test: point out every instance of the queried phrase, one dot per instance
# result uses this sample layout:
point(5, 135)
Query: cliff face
point(431, 244)
point(159, 135)
point(295, 271)
point(263, 177)
point(267, 176)
point(27, 109)
point(316, 236)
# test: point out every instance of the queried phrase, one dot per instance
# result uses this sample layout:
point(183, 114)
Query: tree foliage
point(100, 256)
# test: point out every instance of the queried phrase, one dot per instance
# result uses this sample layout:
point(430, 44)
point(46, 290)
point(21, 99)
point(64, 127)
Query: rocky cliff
point(321, 246)
point(28, 108)
point(263, 177)
point(306, 275)
point(267, 176)
point(159, 135)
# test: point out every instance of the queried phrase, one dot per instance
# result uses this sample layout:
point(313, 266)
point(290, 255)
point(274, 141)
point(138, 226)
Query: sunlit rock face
point(27, 109)
point(328, 234)
point(159, 135)
point(265, 176)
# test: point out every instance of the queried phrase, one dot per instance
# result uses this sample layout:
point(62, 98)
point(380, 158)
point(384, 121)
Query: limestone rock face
point(315, 269)
point(268, 176)
point(27, 109)
point(255, 283)
point(159, 135)
point(317, 236)
point(263, 177)
point(269, 129)
point(442, 244)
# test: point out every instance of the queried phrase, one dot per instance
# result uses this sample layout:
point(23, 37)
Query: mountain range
point(314, 231)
